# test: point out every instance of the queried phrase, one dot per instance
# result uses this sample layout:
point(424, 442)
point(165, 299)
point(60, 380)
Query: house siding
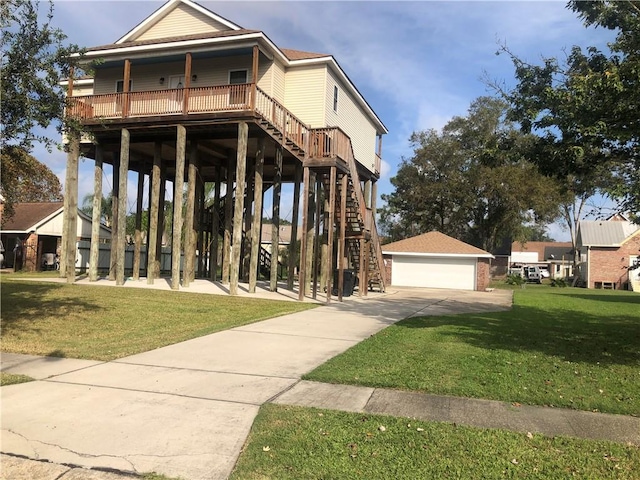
point(277, 71)
point(180, 20)
point(611, 265)
point(304, 97)
point(350, 118)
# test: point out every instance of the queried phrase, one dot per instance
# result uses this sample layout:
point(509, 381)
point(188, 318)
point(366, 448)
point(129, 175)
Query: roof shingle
point(433, 242)
point(27, 215)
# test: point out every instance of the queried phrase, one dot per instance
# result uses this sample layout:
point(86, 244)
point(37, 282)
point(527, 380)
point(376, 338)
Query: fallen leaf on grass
point(529, 435)
point(514, 461)
point(382, 428)
point(516, 404)
point(266, 448)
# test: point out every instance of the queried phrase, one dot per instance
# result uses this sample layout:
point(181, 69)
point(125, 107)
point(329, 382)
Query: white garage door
point(434, 272)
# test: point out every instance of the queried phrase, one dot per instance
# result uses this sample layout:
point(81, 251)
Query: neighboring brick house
point(32, 235)
point(607, 249)
point(436, 260)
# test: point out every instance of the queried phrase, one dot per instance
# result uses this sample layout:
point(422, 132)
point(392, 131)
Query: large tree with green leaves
point(584, 109)
point(34, 60)
point(24, 179)
point(471, 181)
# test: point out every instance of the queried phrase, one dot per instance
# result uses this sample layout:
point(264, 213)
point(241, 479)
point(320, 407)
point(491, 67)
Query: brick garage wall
point(388, 261)
point(483, 276)
point(611, 264)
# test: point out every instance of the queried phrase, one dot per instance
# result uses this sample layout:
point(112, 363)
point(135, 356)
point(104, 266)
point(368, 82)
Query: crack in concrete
point(31, 443)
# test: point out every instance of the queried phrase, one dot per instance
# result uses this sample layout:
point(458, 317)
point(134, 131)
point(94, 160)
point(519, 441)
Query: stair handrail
point(292, 128)
point(377, 247)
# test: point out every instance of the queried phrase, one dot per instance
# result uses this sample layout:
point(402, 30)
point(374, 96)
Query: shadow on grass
point(571, 335)
point(630, 298)
point(24, 303)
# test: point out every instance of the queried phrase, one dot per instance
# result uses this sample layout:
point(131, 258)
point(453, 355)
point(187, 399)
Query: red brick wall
point(611, 264)
point(30, 253)
point(386, 271)
point(483, 274)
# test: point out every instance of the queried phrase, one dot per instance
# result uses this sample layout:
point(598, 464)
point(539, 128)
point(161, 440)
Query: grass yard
point(105, 323)
point(295, 442)
point(565, 347)
point(13, 378)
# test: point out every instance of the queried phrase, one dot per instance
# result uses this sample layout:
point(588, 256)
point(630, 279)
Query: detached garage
point(436, 260)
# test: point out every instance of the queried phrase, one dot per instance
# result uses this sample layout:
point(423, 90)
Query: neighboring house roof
point(602, 233)
point(28, 217)
point(434, 243)
point(284, 237)
point(545, 250)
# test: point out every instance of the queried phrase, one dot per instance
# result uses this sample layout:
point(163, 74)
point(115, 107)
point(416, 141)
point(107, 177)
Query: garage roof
point(434, 243)
point(28, 216)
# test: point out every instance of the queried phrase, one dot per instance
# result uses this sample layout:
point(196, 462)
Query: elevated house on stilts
point(188, 97)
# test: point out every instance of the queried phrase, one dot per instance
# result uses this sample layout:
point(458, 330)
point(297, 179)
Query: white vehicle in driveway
point(532, 274)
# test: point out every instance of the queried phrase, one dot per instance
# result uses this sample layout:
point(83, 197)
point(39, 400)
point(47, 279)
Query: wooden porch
point(219, 134)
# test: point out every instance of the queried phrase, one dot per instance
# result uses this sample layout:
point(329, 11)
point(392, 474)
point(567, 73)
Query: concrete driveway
point(185, 410)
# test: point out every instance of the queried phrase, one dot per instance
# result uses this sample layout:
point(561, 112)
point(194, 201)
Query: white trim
point(84, 81)
point(452, 255)
point(166, 9)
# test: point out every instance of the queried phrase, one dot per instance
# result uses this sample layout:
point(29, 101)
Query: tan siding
point(353, 121)
point(265, 73)
point(304, 97)
point(278, 79)
point(180, 21)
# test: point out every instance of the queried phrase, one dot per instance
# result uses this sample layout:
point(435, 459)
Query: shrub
point(559, 282)
point(515, 279)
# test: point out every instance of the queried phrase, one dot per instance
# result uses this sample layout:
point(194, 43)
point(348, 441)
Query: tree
point(472, 181)
point(584, 109)
point(24, 179)
point(106, 208)
point(34, 59)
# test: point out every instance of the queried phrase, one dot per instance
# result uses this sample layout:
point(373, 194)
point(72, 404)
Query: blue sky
point(418, 64)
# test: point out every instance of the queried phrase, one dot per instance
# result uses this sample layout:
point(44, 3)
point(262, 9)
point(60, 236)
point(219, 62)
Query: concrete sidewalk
point(185, 410)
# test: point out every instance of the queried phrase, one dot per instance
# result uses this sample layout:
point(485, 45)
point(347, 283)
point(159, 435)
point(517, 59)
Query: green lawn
point(296, 443)
point(565, 347)
point(104, 323)
point(12, 379)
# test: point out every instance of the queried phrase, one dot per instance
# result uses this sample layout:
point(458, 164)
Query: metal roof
point(602, 233)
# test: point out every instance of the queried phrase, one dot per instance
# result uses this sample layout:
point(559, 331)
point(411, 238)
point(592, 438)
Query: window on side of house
point(120, 86)
point(335, 98)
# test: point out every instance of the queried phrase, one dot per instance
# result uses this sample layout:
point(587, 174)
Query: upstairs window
point(120, 86)
point(335, 98)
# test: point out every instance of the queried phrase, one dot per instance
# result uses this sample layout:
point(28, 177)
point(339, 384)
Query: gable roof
point(602, 233)
point(28, 216)
point(165, 10)
point(129, 46)
point(434, 243)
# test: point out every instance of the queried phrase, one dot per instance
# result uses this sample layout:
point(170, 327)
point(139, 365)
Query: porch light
point(161, 80)
point(194, 78)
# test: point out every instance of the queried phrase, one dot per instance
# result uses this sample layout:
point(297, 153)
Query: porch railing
point(162, 102)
